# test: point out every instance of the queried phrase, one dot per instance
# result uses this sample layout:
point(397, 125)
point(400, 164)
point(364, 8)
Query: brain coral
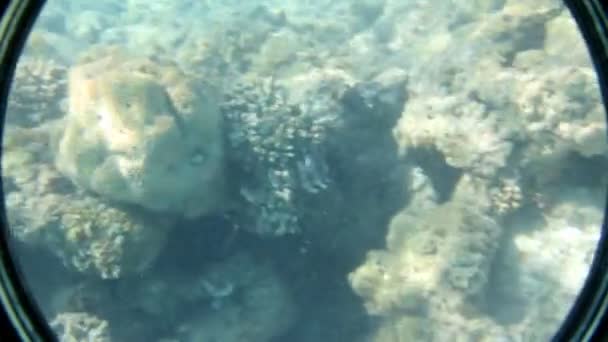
point(142, 132)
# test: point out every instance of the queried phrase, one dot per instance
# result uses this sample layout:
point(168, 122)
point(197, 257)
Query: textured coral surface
point(142, 133)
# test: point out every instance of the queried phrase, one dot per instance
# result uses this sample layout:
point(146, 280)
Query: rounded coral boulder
point(142, 132)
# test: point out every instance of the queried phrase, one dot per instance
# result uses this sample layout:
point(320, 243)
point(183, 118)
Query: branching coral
point(109, 241)
point(507, 197)
point(88, 235)
point(278, 147)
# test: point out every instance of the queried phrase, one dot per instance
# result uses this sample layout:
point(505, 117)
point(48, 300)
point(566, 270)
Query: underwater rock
point(436, 264)
point(142, 132)
point(460, 129)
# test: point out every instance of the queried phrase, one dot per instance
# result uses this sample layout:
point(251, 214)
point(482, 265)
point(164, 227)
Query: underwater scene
point(312, 170)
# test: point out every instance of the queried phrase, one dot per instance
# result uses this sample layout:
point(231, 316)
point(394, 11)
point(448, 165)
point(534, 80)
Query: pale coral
point(144, 133)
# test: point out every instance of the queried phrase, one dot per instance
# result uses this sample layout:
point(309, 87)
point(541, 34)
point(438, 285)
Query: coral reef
point(281, 144)
point(445, 123)
point(438, 260)
point(507, 197)
point(80, 326)
point(45, 209)
point(514, 139)
point(552, 254)
point(278, 146)
point(518, 105)
point(138, 132)
point(429, 164)
point(563, 43)
point(38, 87)
point(109, 241)
point(564, 115)
point(434, 273)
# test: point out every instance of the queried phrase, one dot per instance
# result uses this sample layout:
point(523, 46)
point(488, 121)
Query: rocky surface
point(142, 133)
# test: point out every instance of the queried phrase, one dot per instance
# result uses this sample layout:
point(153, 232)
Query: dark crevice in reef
point(368, 186)
point(581, 171)
point(342, 224)
point(328, 310)
point(443, 176)
point(524, 34)
point(196, 242)
point(504, 301)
